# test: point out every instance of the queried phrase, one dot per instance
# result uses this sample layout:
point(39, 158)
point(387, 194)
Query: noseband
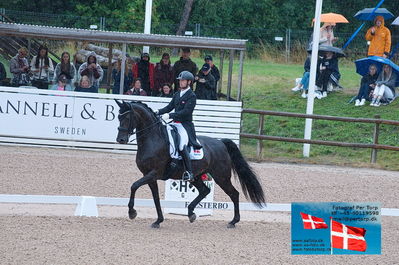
point(122, 129)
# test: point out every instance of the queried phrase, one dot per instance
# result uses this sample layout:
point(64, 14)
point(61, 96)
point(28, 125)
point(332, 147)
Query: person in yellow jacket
point(380, 39)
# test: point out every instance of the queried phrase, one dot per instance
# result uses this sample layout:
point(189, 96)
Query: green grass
point(267, 86)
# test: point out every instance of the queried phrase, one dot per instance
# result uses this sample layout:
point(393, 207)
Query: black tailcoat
point(184, 107)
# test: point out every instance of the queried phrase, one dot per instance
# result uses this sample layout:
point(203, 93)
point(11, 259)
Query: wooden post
point(121, 85)
point(375, 140)
point(230, 75)
point(219, 88)
point(259, 146)
point(239, 87)
point(109, 72)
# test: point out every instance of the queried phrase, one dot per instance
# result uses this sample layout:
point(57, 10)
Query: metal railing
point(374, 146)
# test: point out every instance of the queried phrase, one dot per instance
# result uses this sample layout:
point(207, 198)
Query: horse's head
point(127, 122)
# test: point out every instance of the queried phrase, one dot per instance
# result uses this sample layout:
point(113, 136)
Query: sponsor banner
point(62, 117)
point(335, 228)
point(178, 190)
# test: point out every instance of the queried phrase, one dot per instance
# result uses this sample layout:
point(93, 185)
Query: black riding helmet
point(186, 75)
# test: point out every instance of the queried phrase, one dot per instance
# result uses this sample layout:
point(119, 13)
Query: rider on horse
point(183, 102)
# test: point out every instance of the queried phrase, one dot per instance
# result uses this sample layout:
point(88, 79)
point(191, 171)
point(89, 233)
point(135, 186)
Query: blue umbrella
point(364, 14)
point(362, 65)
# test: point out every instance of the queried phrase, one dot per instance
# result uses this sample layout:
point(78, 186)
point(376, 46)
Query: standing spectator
point(85, 85)
point(116, 75)
point(384, 90)
point(380, 39)
point(145, 71)
point(327, 34)
point(66, 68)
point(136, 89)
point(62, 84)
point(214, 71)
point(367, 86)
point(92, 70)
point(205, 83)
point(3, 74)
point(184, 64)
point(166, 91)
point(163, 73)
point(328, 68)
point(19, 67)
point(42, 68)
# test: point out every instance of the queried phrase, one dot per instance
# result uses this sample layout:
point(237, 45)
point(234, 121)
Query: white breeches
point(183, 135)
point(383, 91)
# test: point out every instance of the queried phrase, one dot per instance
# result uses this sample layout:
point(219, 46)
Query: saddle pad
point(174, 152)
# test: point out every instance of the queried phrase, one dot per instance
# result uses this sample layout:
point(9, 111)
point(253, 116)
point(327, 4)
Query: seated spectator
point(86, 86)
point(136, 89)
point(384, 91)
point(3, 74)
point(116, 76)
point(205, 84)
point(145, 71)
point(163, 73)
point(184, 64)
point(304, 83)
point(367, 85)
point(328, 70)
point(42, 69)
point(214, 71)
point(166, 91)
point(66, 68)
point(62, 84)
point(92, 70)
point(19, 67)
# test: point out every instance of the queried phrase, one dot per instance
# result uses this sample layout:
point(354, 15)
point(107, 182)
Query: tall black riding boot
point(188, 174)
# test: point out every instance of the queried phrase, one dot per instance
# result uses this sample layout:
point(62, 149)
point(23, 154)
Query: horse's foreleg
point(155, 195)
point(150, 177)
point(203, 190)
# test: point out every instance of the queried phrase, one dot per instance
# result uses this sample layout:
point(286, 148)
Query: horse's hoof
point(155, 225)
point(192, 218)
point(229, 225)
point(132, 214)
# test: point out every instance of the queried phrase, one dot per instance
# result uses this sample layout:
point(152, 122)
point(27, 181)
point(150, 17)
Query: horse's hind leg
point(228, 188)
point(203, 190)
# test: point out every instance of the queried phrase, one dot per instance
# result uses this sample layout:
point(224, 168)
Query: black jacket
point(368, 80)
point(183, 65)
point(184, 107)
point(206, 90)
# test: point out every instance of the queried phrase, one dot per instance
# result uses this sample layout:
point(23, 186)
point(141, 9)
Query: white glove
point(157, 111)
point(165, 116)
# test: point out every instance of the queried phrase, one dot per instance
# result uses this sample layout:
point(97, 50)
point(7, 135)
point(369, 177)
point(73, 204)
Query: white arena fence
point(87, 205)
point(68, 119)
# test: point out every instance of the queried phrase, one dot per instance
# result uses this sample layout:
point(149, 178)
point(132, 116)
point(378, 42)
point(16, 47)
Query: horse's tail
point(248, 179)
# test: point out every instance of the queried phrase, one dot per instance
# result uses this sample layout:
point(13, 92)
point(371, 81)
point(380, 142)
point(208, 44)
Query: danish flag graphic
point(312, 222)
point(347, 237)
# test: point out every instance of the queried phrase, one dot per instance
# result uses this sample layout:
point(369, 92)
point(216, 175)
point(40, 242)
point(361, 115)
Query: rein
point(131, 131)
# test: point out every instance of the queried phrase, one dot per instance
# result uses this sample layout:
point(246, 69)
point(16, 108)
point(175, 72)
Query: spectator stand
point(139, 39)
point(44, 127)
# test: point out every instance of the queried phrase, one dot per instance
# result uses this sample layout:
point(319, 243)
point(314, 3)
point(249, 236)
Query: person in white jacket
point(42, 69)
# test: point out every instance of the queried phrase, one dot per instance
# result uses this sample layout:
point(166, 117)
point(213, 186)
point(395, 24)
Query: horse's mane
point(145, 106)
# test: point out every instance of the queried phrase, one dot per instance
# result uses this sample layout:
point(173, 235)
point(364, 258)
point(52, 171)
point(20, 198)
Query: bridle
point(130, 129)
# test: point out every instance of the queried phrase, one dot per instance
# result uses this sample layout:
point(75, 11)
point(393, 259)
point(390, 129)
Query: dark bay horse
point(152, 158)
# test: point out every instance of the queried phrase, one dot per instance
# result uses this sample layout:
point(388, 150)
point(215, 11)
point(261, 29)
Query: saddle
point(174, 141)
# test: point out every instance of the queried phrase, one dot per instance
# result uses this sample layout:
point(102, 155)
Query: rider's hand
point(157, 111)
point(165, 116)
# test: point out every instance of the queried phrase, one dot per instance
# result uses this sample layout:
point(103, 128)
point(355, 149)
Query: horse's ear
point(120, 104)
point(126, 104)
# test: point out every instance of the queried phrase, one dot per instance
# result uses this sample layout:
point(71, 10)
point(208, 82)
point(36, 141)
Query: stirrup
point(188, 176)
